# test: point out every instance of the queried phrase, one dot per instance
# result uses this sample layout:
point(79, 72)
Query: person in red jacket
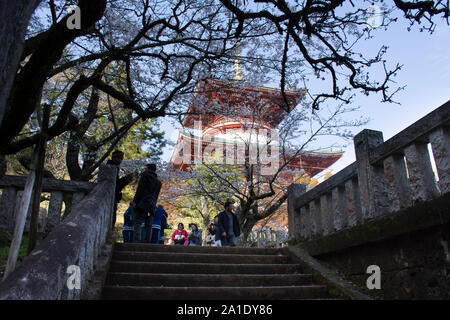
point(180, 235)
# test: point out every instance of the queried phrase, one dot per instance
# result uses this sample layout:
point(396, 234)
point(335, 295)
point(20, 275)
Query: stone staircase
point(157, 272)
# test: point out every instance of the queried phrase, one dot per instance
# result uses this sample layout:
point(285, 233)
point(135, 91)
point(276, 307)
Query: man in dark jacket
point(144, 201)
point(116, 160)
point(228, 226)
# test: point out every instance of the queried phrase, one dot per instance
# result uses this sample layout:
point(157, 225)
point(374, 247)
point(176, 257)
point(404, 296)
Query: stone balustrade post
point(372, 184)
point(326, 214)
point(316, 217)
point(339, 208)
point(54, 210)
point(305, 222)
point(440, 143)
point(397, 182)
point(421, 175)
point(7, 206)
point(353, 202)
point(108, 174)
point(294, 217)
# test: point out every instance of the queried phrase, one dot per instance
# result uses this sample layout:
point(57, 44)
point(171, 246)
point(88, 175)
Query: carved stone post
point(305, 220)
point(316, 217)
point(327, 214)
point(294, 219)
point(54, 210)
point(107, 175)
point(440, 142)
point(77, 197)
point(353, 202)
point(421, 176)
point(339, 208)
point(374, 200)
point(397, 182)
point(7, 205)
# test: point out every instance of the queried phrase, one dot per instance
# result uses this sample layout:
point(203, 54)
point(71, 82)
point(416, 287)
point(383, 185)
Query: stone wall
point(413, 266)
point(411, 248)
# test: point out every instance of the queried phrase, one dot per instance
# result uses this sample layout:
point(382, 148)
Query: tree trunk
point(246, 221)
point(14, 15)
point(37, 189)
point(205, 212)
point(247, 228)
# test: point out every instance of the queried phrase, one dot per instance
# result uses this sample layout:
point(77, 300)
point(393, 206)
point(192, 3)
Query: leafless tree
point(261, 162)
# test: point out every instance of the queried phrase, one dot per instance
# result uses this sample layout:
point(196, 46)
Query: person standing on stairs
point(157, 222)
point(211, 234)
point(228, 225)
point(116, 160)
point(195, 238)
point(217, 241)
point(128, 224)
point(144, 202)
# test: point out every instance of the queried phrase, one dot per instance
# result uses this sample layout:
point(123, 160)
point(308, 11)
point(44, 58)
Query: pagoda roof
point(236, 99)
point(325, 152)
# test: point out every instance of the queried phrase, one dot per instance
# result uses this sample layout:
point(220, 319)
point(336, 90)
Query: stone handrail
point(61, 266)
point(48, 184)
point(385, 178)
point(12, 192)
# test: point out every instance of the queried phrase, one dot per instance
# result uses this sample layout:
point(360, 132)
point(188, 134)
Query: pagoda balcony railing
point(244, 123)
point(387, 177)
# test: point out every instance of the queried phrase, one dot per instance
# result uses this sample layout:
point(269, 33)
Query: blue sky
point(426, 73)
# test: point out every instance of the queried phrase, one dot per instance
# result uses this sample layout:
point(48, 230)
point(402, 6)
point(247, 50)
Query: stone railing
point(266, 238)
point(70, 191)
point(62, 265)
point(386, 177)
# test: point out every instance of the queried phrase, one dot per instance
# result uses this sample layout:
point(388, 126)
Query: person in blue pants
point(157, 221)
point(128, 224)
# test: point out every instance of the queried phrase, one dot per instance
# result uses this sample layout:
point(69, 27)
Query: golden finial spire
point(237, 64)
point(237, 71)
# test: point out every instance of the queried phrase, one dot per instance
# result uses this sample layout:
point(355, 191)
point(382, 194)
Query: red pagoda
point(225, 114)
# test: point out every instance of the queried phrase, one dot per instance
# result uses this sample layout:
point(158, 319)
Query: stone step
point(206, 280)
point(144, 247)
point(202, 268)
point(199, 257)
point(215, 293)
